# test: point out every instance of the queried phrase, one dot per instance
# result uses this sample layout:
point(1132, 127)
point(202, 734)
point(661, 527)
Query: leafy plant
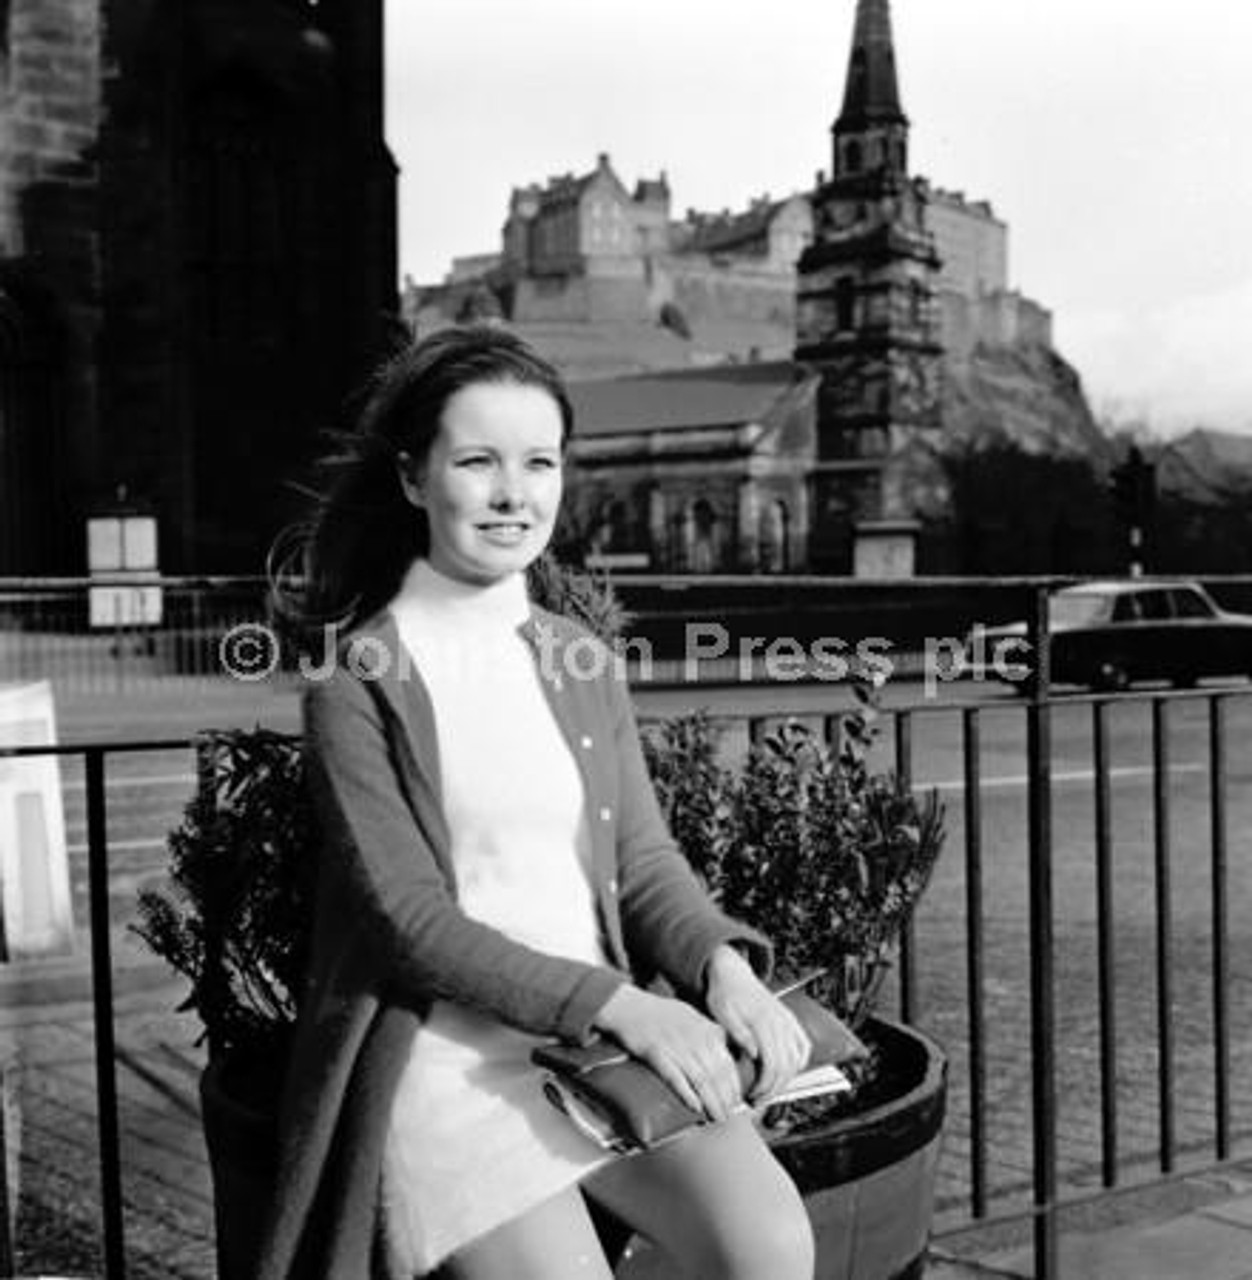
point(234, 920)
point(576, 594)
point(825, 856)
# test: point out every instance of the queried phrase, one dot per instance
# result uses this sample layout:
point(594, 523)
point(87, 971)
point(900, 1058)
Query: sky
point(1113, 136)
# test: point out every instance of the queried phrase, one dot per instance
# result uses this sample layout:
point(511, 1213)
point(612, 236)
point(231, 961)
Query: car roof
point(1119, 586)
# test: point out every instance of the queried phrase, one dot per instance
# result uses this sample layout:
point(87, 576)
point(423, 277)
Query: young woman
point(494, 871)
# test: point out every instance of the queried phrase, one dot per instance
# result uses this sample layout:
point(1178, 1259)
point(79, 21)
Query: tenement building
point(197, 262)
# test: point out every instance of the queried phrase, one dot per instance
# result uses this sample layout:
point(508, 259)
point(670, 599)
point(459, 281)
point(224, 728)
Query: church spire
point(866, 317)
point(871, 94)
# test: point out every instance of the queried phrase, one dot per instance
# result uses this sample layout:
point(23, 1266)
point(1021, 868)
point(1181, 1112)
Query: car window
point(1190, 604)
point(1081, 608)
point(1126, 609)
point(1154, 604)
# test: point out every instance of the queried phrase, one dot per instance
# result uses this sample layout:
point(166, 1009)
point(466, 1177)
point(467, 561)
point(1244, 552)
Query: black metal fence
point(113, 634)
point(1074, 955)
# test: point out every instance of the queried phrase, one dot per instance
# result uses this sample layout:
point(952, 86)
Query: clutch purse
point(622, 1104)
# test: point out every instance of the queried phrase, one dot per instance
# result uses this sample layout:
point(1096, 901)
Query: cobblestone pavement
point(51, 1133)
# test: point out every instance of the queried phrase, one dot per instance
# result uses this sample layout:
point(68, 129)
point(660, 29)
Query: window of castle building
point(845, 303)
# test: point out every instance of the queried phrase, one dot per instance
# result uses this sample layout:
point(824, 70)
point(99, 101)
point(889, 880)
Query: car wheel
point(1111, 676)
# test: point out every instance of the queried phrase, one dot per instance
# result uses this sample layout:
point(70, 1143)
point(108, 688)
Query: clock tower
point(866, 315)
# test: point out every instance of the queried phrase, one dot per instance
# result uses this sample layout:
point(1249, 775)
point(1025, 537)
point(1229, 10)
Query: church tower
point(866, 312)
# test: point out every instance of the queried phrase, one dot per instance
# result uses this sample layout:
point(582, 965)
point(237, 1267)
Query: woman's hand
point(756, 1020)
point(686, 1049)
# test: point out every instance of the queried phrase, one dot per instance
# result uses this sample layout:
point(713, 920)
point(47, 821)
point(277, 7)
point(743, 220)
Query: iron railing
point(948, 961)
point(114, 634)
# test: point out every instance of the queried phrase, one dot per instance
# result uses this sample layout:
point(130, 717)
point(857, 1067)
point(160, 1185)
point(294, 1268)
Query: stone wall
point(50, 251)
point(707, 290)
point(580, 299)
point(972, 243)
point(49, 118)
point(1003, 319)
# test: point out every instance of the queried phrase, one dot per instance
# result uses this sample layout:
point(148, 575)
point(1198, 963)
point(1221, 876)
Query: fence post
point(907, 957)
point(1042, 1007)
point(102, 1000)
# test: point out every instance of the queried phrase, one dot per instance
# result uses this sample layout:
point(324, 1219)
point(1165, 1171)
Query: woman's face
point(491, 484)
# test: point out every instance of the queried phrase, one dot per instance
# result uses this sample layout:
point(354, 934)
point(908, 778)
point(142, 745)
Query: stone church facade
point(197, 263)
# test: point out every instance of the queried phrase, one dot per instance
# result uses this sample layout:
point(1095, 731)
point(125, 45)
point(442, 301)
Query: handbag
point(622, 1105)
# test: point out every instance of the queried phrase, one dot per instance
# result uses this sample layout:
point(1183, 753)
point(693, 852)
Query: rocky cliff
point(1026, 394)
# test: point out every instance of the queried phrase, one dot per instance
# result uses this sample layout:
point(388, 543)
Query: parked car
point(1108, 634)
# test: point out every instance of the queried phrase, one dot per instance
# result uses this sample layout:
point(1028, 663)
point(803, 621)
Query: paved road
point(147, 790)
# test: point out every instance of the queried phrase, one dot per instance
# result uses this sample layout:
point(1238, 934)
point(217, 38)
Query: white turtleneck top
point(473, 1142)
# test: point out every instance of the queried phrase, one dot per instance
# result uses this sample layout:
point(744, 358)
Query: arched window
point(853, 157)
point(700, 537)
point(679, 540)
point(611, 527)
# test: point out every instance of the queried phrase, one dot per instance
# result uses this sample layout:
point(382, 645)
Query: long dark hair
point(349, 558)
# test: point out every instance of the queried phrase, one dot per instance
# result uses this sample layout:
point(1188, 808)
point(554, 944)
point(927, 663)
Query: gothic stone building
point(197, 263)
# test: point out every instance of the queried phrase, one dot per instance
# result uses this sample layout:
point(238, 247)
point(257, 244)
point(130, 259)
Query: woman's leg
point(555, 1241)
point(717, 1202)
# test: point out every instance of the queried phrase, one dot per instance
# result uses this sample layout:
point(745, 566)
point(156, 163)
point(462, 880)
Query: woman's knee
point(718, 1202)
point(774, 1243)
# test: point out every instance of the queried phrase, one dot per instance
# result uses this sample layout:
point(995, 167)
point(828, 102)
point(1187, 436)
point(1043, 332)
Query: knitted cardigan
point(388, 937)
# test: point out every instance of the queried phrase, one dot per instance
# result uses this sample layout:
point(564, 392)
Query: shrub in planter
point(233, 924)
point(824, 855)
point(240, 882)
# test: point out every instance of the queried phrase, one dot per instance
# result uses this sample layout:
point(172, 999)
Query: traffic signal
point(1132, 483)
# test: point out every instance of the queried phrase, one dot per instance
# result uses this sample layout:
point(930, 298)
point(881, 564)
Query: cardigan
point(388, 938)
